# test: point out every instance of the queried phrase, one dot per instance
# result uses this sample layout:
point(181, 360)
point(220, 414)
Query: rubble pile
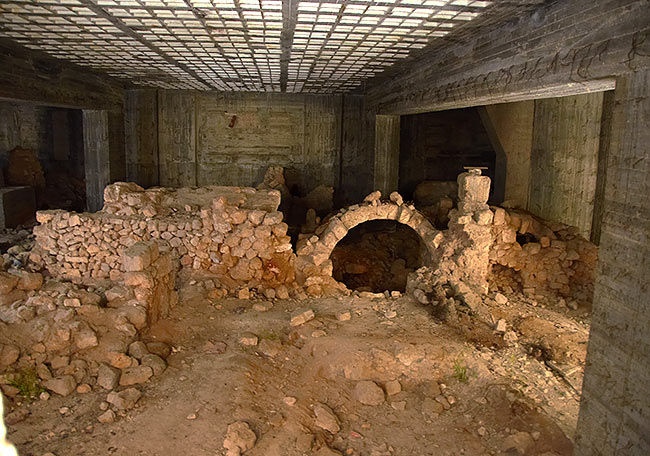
point(70, 337)
point(24, 168)
point(235, 234)
point(435, 199)
point(16, 245)
point(458, 273)
point(547, 258)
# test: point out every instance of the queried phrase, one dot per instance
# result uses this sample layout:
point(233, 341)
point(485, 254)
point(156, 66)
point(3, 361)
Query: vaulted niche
point(377, 256)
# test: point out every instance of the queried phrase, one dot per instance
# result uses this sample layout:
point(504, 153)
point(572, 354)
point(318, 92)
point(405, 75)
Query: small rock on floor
point(300, 317)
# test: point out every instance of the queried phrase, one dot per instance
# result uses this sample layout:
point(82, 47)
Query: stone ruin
point(99, 280)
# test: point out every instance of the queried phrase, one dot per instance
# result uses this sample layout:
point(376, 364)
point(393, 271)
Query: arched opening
point(377, 255)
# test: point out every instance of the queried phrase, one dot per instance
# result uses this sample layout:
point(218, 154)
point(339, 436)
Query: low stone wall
point(236, 235)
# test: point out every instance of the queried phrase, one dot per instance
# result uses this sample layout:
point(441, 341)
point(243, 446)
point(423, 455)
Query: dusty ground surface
point(458, 396)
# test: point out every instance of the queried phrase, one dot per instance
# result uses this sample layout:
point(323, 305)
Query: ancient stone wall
point(548, 257)
point(152, 278)
point(235, 234)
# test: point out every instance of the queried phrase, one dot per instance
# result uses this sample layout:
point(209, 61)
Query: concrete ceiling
point(243, 45)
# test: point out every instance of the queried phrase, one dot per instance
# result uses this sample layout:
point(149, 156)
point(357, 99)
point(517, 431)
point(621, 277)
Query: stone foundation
point(71, 335)
point(235, 234)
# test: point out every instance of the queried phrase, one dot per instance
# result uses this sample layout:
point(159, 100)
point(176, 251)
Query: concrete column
point(512, 124)
point(96, 156)
point(615, 406)
point(386, 153)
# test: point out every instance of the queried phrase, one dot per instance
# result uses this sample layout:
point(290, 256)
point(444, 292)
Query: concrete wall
point(356, 154)
point(615, 407)
point(564, 162)
point(513, 125)
point(232, 138)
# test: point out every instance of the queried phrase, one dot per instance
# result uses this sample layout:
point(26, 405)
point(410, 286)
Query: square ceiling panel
point(236, 45)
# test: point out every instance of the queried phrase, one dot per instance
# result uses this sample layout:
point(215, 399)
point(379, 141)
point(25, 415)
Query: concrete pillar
point(386, 153)
point(512, 124)
point(615, 406)
point(96, 156)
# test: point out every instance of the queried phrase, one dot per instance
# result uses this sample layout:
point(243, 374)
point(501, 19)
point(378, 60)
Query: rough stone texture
point(135, 375)
point(63, 385)
point(124, 400)
point(300, 317)
point(239, 438)
point(234, 233)
point(555, 258)
point(369, 393)
point(326, 419)
point(108, 377)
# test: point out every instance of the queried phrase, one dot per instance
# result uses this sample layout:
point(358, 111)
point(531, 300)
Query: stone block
point(138, 257)
point(474, 187)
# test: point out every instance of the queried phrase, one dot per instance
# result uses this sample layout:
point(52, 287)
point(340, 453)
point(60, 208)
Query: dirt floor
point(457, 397)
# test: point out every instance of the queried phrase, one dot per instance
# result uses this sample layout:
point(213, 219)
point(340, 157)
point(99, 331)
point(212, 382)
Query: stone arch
point(314, 251)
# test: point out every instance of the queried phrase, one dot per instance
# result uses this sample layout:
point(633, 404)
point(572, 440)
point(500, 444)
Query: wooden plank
point(355, 174)
point(322, 140)
point(177, 138)
point(116, 146)
point(96, 156)
point(141, 142)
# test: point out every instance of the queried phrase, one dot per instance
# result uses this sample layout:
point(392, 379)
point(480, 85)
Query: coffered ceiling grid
point(239, 45)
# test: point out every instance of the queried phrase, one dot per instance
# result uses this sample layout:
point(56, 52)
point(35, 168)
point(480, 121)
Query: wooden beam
point(387, 132)
point(289, 18)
